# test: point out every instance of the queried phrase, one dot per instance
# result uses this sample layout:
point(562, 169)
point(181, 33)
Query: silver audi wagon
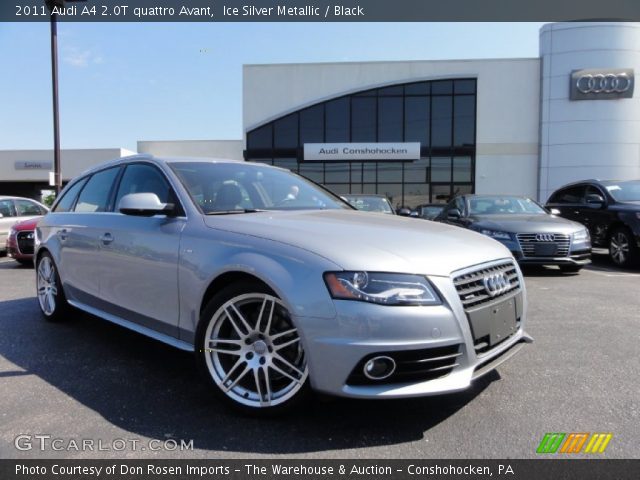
point(277, 285)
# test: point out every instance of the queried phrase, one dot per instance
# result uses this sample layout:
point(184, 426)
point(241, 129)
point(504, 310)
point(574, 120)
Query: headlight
point(581, 235)
point(12, 232)
point(382, 288)
point(496, 234)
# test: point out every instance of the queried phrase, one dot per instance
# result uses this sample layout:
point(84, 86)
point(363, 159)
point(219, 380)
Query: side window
point(450, 206)
point(141, 178)
point(7, 209)
point(68, 197)
point(27, 208)
point(460, 204)
point(95, 195)
point(570, 195)
point(591, 190)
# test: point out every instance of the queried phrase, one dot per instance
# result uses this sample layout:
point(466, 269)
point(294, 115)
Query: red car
point(20, 241)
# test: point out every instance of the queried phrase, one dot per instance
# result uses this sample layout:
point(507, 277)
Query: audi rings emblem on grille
point(496, 283)
point(604, 83)
point(545, 237)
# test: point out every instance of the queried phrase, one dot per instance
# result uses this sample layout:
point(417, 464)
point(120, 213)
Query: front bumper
point(336, 348)
point(578, 253)
point(13, 249)
point(581, 257)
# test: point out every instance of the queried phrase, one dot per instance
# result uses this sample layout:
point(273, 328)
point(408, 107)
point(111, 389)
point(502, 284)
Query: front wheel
point(250, 350)
point(53, 304)
point(622, 249)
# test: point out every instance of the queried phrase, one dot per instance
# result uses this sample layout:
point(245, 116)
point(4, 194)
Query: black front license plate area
point(546, 249)
point(494, 323)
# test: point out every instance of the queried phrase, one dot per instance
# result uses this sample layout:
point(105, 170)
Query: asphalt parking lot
point(89, 379)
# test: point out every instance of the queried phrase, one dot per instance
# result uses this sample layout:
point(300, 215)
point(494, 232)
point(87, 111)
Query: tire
point(258, 364)
point(53, 304)
point(570, 268)
point(623, 250)
point(25, 263)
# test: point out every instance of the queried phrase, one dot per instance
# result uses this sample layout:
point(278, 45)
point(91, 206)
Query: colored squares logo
point(574, 443)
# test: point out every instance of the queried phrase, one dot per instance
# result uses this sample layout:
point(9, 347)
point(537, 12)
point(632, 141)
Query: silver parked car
point(14, 210)
point(275, 292)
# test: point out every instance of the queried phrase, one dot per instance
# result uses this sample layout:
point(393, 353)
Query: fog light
point(379, 368)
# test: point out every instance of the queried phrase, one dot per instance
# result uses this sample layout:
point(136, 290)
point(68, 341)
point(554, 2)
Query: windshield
point(625, 191)
point(503, 206)
point(370, 204)
point(243, 187)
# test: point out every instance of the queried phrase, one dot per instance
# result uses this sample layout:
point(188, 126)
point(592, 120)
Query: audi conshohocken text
point(278, 286)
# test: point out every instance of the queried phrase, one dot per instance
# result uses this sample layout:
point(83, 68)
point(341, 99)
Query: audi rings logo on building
point(545, 237)
point(602, 84)
point(496, 283)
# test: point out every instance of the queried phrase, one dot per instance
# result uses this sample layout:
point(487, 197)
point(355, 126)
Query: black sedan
point(610, 210)
point(528, 230)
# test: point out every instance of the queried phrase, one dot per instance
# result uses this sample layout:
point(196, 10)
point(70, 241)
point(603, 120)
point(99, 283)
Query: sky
point(124, 82)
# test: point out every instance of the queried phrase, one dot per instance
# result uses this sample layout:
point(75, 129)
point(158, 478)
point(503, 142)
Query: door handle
point(62, 234)
point(576, 212)
point(106, 239)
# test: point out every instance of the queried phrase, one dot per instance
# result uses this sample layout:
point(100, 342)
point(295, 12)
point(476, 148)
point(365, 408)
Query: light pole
point(52, 5)
point(57, 181)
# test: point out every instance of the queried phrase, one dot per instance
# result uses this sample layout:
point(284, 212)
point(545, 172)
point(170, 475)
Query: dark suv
point(611, 212)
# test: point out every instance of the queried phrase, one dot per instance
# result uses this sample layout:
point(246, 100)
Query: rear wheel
point(250, 350)
point(622, 248)
point(53, 304)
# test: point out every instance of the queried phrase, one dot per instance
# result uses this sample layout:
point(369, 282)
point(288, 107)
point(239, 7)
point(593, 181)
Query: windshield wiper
point(232, 212)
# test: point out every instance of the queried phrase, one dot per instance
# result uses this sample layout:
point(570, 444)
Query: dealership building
point(422, 131)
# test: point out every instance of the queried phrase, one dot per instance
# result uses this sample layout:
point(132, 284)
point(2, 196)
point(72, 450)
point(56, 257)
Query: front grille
point(544, 245)
point(411, 365)
point(471, 286)
point(25, 242)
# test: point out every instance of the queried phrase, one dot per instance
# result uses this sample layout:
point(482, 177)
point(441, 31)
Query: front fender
point(294, 274)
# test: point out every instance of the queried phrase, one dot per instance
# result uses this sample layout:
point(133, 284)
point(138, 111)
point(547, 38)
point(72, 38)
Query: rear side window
point(95, 195)
point(141, 178)
point(26, 208)
point(69, 197)
point(7, 209)
point(569, 195)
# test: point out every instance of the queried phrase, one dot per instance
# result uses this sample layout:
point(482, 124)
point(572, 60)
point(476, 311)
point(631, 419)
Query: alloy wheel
point(619, 248)
point(253, 352)
point(46, 285)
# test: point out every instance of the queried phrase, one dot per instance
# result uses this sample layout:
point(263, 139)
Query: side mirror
point(1, 215)
point(404, 212)
point(454, 214)
point(144, 205)
point(595, 199)
point(554, 211)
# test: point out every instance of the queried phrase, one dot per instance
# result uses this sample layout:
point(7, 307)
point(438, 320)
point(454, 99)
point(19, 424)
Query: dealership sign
point(602, 84)
point(362, 151)
point(32, 165)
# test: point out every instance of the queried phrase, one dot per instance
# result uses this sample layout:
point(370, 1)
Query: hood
point(29, 224)
point(531, 223)
point(369, 241)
